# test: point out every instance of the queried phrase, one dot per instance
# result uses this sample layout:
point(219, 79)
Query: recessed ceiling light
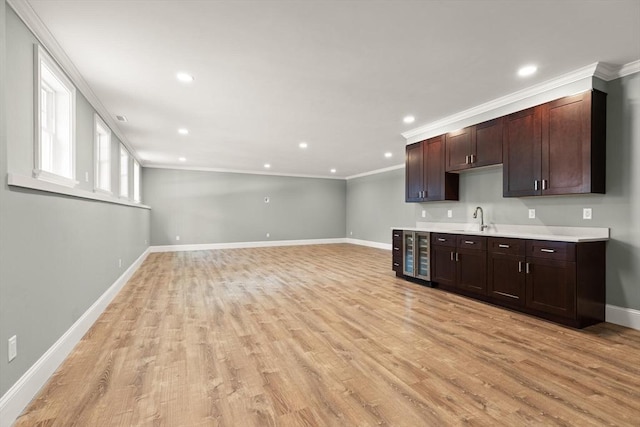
point(122, 119)
point(333, 171)
point(184, 77)
point(527, 70)
point(183, 131)
point(182, 159)
point(267, 165)
point(388, 154)
point(409, 119)
point(303, 145)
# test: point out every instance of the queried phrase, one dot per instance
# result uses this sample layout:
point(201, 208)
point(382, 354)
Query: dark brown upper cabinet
point(474, 146)
point(426, 179)
point(556, 148)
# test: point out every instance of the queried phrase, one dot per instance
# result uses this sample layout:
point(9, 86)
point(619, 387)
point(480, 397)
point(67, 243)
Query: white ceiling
point(339, 75)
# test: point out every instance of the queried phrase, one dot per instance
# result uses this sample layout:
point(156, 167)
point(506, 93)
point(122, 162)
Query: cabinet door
point(487, 143)
point(471, 268)
point(444, 266)
point(551, 286)
point(458, 150)
point(506, 277)
point(440, 185)
point(522, 153)
point(566, 145)
point(414, 178)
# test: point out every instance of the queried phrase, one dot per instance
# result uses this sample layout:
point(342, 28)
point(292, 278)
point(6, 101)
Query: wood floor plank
point(327, 336)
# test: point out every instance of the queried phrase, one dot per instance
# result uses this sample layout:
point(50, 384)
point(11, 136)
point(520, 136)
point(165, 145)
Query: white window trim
point(137, 182)
point(127, 196)
point(97, 120)
point(40, 55)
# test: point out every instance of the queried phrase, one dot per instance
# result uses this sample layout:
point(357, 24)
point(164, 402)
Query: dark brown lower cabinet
point(396, 248)
point(560, 281)
point(460, 261)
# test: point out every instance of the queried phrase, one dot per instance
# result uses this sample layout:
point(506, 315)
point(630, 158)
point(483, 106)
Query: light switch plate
point(424, 213)
point(532, 213)
point(449, 213)
point(587, 213)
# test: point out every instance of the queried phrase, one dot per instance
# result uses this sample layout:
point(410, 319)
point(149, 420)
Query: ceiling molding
point(33, 22)
point(246, 172)
point(565, 79)
point(377, 171)
point(630, 68)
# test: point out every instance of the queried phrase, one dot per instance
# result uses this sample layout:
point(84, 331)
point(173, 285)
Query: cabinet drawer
point(442, 239)
point(563, 251)
point(397, 235)
point(501, 245)
point(472, 242)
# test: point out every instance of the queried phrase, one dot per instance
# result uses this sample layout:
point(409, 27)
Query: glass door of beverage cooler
point(408, 250)
point(421, 252)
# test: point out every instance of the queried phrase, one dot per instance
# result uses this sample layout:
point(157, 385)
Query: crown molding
point(377, 171)
point(606, 72)
point(33, 22)
point(246, 172)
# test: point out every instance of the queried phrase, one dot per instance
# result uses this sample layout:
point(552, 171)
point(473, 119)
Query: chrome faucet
point(475, 215)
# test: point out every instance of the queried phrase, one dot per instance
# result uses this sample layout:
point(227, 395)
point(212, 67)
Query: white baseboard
point(238, 245)
point(13, 402)
point(370, 244)
point(622, 316)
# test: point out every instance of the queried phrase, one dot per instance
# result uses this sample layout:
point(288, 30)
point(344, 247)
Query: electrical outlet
point(86, 176)
point(268, 234)
point(449, 213)
point(351, 233)
point(12, 350)
point(424, 213)
point(532, 213)
point(119, 262)
point(587, 213)
point(177, 237)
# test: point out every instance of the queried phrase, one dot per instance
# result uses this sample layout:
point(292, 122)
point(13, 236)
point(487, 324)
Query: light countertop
point(537, 232)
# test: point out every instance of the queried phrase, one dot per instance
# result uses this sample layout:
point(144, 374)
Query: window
point(124, 172)
point(54, 122)
point(103, 155)
point(136, 181)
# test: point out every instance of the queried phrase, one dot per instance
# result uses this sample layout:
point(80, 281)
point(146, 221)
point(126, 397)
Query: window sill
point(16, 180)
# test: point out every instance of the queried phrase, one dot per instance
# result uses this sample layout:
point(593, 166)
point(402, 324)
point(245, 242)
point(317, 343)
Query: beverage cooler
point(415, 254)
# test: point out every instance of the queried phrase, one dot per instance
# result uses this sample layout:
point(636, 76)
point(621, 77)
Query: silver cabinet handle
point(451, 256)
point(528, 268)
point(504, 246)
point(519, 266)
point(396, 249)
point(544, 184)
point(466, 160)
point(396, 235)
point(440, 239)
point(473, 158)
point(535, 185)
point(469, 242)
point(457, 256)
point(549, 251)
point(396, 264)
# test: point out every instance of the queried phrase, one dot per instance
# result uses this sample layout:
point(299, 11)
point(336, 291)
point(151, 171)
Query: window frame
point(123, 150)
point(99, 123)
point(42, 57)
point(137, 181)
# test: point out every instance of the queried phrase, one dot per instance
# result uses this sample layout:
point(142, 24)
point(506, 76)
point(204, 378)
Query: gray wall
point(619, 209)
point(58, 254)
point(217, 207)
point(375, 203)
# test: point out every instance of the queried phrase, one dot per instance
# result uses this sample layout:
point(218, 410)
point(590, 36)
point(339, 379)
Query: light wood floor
point(327, 336)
